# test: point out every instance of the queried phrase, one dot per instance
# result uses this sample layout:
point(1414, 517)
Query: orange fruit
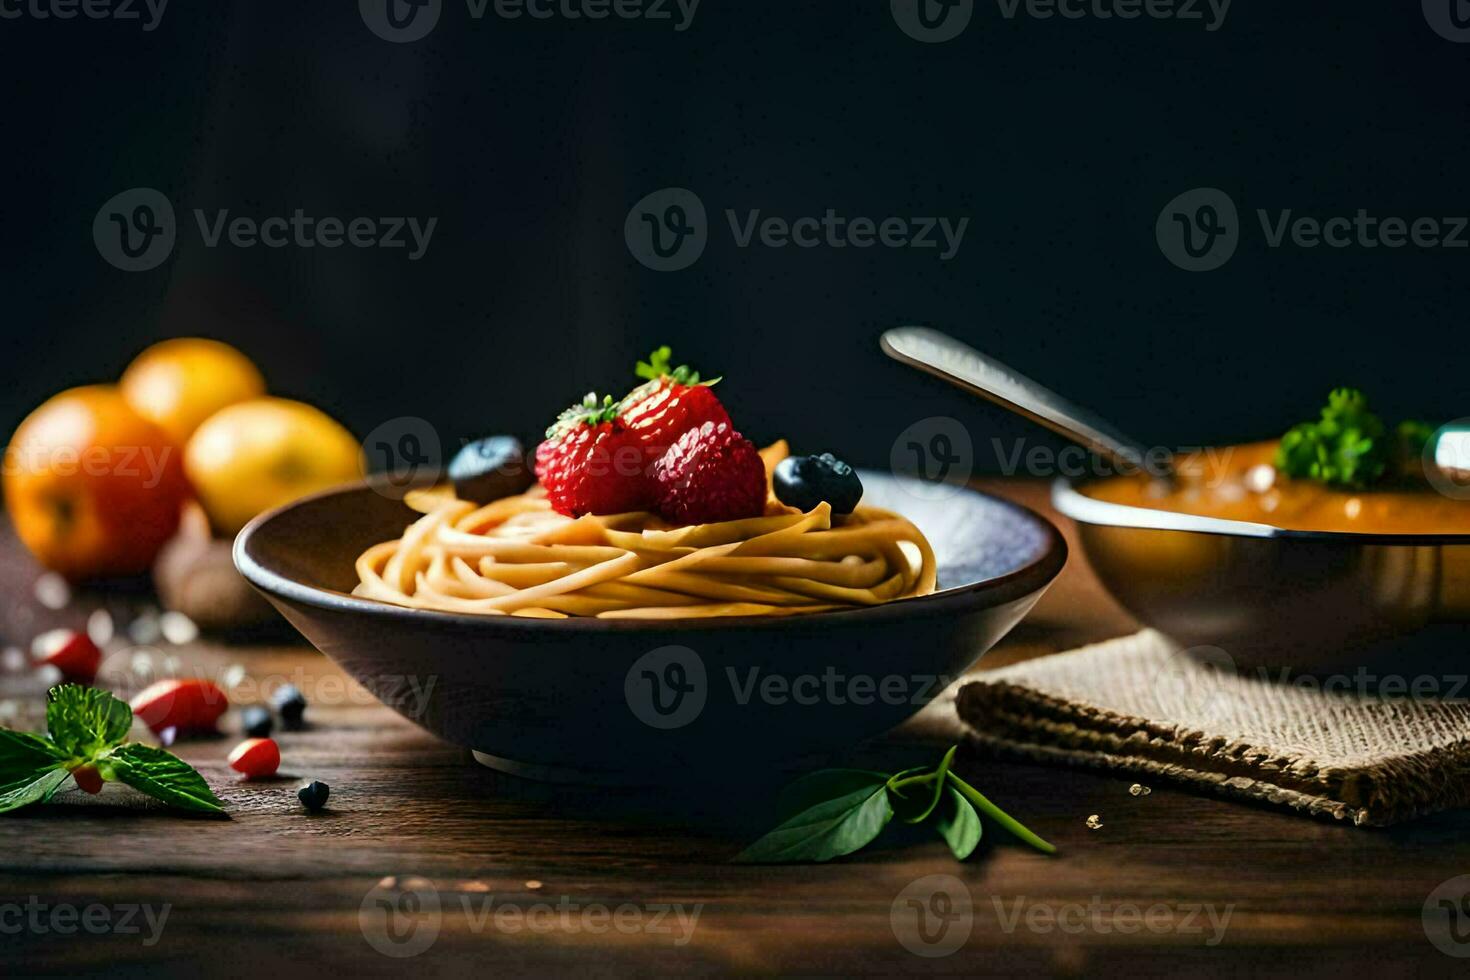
point(93, 488)
point(259, 454)
point(179, 383)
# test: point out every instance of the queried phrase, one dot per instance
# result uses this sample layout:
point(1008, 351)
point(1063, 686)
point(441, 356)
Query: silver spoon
point(961, 365)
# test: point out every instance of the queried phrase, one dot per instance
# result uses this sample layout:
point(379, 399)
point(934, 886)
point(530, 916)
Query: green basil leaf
point(824, 784)
point(161, 775)
point(959, 825)
point(827, 829)
point(38, 789)
point(84, 721)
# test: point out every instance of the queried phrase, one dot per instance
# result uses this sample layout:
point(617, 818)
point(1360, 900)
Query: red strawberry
point(590, 463)
point(712, 473)
point(669, 405)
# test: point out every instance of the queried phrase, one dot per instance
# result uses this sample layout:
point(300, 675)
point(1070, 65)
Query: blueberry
point(489, 469)
point(314, 795)
point(291, 704)
point(256, 722)
point(805, 481)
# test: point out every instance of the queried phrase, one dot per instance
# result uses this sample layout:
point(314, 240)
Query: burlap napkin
point(1139, 705)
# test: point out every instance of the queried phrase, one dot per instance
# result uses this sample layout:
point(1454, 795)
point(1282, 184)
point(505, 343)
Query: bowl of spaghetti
point(660, 591)
point(787, 636)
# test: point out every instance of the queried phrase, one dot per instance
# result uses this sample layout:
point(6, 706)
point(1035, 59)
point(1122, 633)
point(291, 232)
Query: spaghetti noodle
point(516, 556)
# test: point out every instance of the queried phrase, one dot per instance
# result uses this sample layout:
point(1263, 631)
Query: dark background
point(1061, 140)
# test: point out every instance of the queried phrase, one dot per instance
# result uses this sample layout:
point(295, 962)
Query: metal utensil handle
point(963, 366)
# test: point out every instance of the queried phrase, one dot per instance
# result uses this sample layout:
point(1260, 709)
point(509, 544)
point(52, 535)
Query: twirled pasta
point(516, 556)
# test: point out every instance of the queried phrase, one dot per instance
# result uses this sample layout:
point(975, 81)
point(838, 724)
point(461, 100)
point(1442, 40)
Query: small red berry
point(710, 474)
point(75, 655)
point(672, 402)
point(256, 757)
point(590, 463)
point(188, 705)
point(89, 780)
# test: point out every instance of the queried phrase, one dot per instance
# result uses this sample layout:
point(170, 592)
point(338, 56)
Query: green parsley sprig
point(1348, 446)
point(833, 812)
point(88, 728)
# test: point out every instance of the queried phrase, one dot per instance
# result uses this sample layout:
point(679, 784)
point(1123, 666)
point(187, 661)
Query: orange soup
point(1240, 483)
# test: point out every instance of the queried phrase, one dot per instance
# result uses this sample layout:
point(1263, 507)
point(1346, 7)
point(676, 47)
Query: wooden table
point(534, 879)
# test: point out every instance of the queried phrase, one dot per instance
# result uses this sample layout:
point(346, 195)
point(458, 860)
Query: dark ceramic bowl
point(591, 698)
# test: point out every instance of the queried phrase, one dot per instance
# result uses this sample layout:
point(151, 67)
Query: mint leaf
point(22, 751)
point(162, 775)
point(829, 828)
point(30, 769)
point(84, 721)
point(39, 788)
point(959, 825)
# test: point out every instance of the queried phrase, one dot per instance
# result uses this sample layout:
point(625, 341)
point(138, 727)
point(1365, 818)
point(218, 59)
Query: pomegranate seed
point(189, 705)
point(256, 757)
point(88, 779)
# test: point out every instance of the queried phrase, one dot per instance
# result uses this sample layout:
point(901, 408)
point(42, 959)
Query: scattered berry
point(256, 757)
point(805, 481)
point(74, 654)
point(290, 705)
point(313, 795)
point(256, 722)
point(89, 780)
point(590, 463)
point(489, 469)
point(189, 705)
point(711, 473)
point(671, 403)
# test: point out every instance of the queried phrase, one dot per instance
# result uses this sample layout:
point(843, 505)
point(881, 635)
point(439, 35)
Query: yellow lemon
point(179, 383)
point(259, 454)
